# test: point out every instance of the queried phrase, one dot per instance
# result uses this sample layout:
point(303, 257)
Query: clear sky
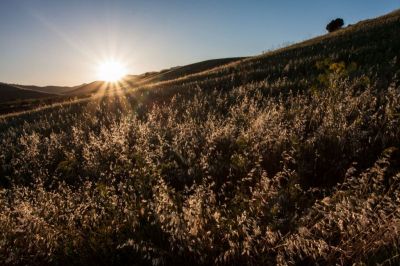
point(61, 42)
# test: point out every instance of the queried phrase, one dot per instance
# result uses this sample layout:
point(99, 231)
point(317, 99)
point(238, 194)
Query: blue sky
point(61, 42)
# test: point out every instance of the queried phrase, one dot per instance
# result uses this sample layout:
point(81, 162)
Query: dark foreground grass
point(282, 170)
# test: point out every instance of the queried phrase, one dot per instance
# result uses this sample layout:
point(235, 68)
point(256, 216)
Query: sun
point(111, 71)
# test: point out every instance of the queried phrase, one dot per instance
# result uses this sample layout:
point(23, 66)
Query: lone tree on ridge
point(335, 25)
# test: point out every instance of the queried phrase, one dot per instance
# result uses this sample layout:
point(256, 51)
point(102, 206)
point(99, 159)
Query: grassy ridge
point(291, 157)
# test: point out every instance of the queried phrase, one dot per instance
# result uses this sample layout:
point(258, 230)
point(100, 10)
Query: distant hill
point(90, 88)
point(50, 89)
point(22, 92)
point(150, 77)
point(181, 71)
point(12, 93)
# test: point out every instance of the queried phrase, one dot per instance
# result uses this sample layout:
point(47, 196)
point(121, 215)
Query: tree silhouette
point(335, 25)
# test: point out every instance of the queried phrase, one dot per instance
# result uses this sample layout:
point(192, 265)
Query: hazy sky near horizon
point(44, 42)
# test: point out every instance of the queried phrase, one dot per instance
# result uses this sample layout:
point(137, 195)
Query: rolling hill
point(178, 72)
point(56, 90)
point(133, 81)
point(13, 92)
point(88, 89)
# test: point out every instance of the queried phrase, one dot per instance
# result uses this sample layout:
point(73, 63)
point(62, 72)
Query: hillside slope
point(372, 44)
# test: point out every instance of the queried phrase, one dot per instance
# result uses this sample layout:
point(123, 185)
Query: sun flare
point(111, 71)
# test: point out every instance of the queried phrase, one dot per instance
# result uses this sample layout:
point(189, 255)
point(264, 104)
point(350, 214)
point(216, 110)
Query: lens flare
point(111, 71)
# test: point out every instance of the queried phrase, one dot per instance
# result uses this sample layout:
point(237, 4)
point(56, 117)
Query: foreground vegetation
point(251, 163)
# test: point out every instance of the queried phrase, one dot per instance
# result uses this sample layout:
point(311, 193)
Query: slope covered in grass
point(290, 157)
